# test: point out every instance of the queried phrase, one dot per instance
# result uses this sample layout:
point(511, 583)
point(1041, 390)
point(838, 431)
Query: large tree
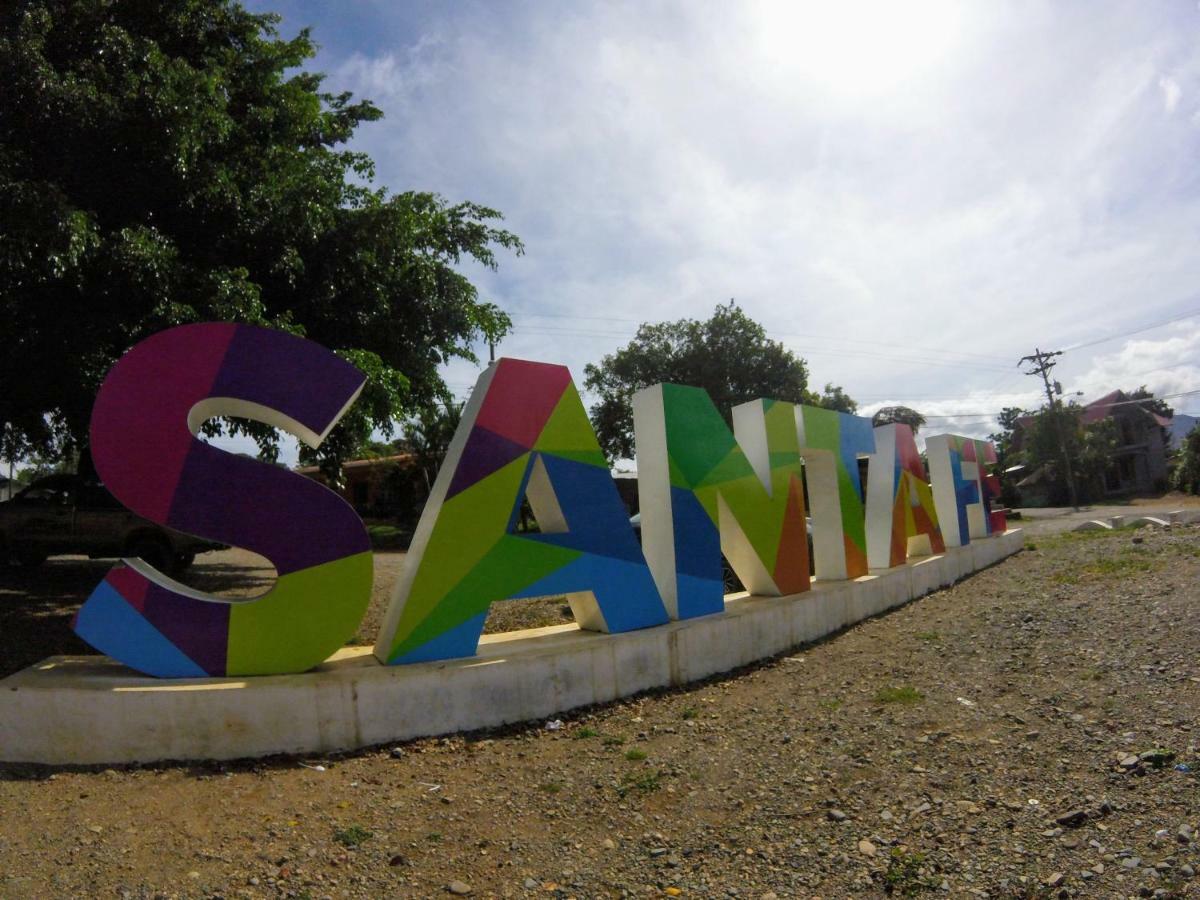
point(729, 355)
point(169, 162)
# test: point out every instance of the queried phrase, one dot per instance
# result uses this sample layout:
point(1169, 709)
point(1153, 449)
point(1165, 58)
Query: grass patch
point(905, 876)
point(635, 755)
point(612, 740)
point(352, 836)
point(905, 694)
point(833, 703)
point(640, 783)
point(550, 787)
point(1122, 564)
point(388, 537)
point(585, 732)
point(690, 712)
point(929, 636)
point(1051, 541)
point(434, 837)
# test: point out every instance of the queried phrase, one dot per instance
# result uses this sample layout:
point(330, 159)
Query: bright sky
point(911, 195)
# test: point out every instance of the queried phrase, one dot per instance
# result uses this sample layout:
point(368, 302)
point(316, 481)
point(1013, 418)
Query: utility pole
point(1041, 364)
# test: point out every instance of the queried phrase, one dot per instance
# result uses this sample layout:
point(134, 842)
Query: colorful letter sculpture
point(830, 442)
point(960, 486)
point(901, 518)
point(997, 519)
point(143, 428)
point(701, 494)
point(523, 433)
point(523, 436)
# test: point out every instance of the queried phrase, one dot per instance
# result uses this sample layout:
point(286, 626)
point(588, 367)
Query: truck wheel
point(155, 553)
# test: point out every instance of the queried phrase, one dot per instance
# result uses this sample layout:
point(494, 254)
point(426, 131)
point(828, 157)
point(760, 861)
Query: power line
point(1174, 396)
point(803, 351)
point(1122, 334)
point(775, 336)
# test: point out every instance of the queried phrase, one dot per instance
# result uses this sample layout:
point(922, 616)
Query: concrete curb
point(89, 710)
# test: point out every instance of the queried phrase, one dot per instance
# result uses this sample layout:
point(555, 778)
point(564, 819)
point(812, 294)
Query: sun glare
point(857, 48)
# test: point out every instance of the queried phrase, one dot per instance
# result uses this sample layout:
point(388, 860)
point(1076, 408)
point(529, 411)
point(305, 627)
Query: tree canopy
point(165, 163)
point(1152, 403)
point(729, 355)
point(902, 414)
point(1186, 476)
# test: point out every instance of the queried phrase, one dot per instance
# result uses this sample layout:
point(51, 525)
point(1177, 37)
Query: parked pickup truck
point(64, 514)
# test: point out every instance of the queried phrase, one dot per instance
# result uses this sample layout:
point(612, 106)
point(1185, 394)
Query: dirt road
point(1014, 736)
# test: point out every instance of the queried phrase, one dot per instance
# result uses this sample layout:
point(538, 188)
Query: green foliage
point(172, 162)
point(1157, 757)
point(730, 356)
point(1089, 447)
point(584, 733)
point(352, 836)
point(388, 537)
point(1122, 566)
point(427, 437)
point(635, 755)
point(906, 874)
point(1005, 456)
point(1042, 448)
point(1092, 448)
point(902, 414)
point(1096, 444)
point(833, 397)
point(690, 712)
point(640, 783)
point(1186, 476)
point(40, 464)
point(1152, 403)
point(905, 695)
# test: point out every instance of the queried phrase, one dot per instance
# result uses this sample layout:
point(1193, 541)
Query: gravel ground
point(37, 605)
point(1014, 736)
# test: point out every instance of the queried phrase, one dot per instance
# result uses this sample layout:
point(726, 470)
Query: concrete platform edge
point(91, 711)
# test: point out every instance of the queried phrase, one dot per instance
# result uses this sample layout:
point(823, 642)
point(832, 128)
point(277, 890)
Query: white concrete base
point(90, 710)
point(1173, 518)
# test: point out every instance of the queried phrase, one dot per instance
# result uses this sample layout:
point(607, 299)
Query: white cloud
point(912, 220)
point(1171, 92)
point(1167, 365)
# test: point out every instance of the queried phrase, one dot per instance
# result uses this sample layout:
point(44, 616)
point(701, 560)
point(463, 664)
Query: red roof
point(1102, 408)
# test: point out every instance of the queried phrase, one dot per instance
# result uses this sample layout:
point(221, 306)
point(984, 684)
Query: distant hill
point(1180, 426)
